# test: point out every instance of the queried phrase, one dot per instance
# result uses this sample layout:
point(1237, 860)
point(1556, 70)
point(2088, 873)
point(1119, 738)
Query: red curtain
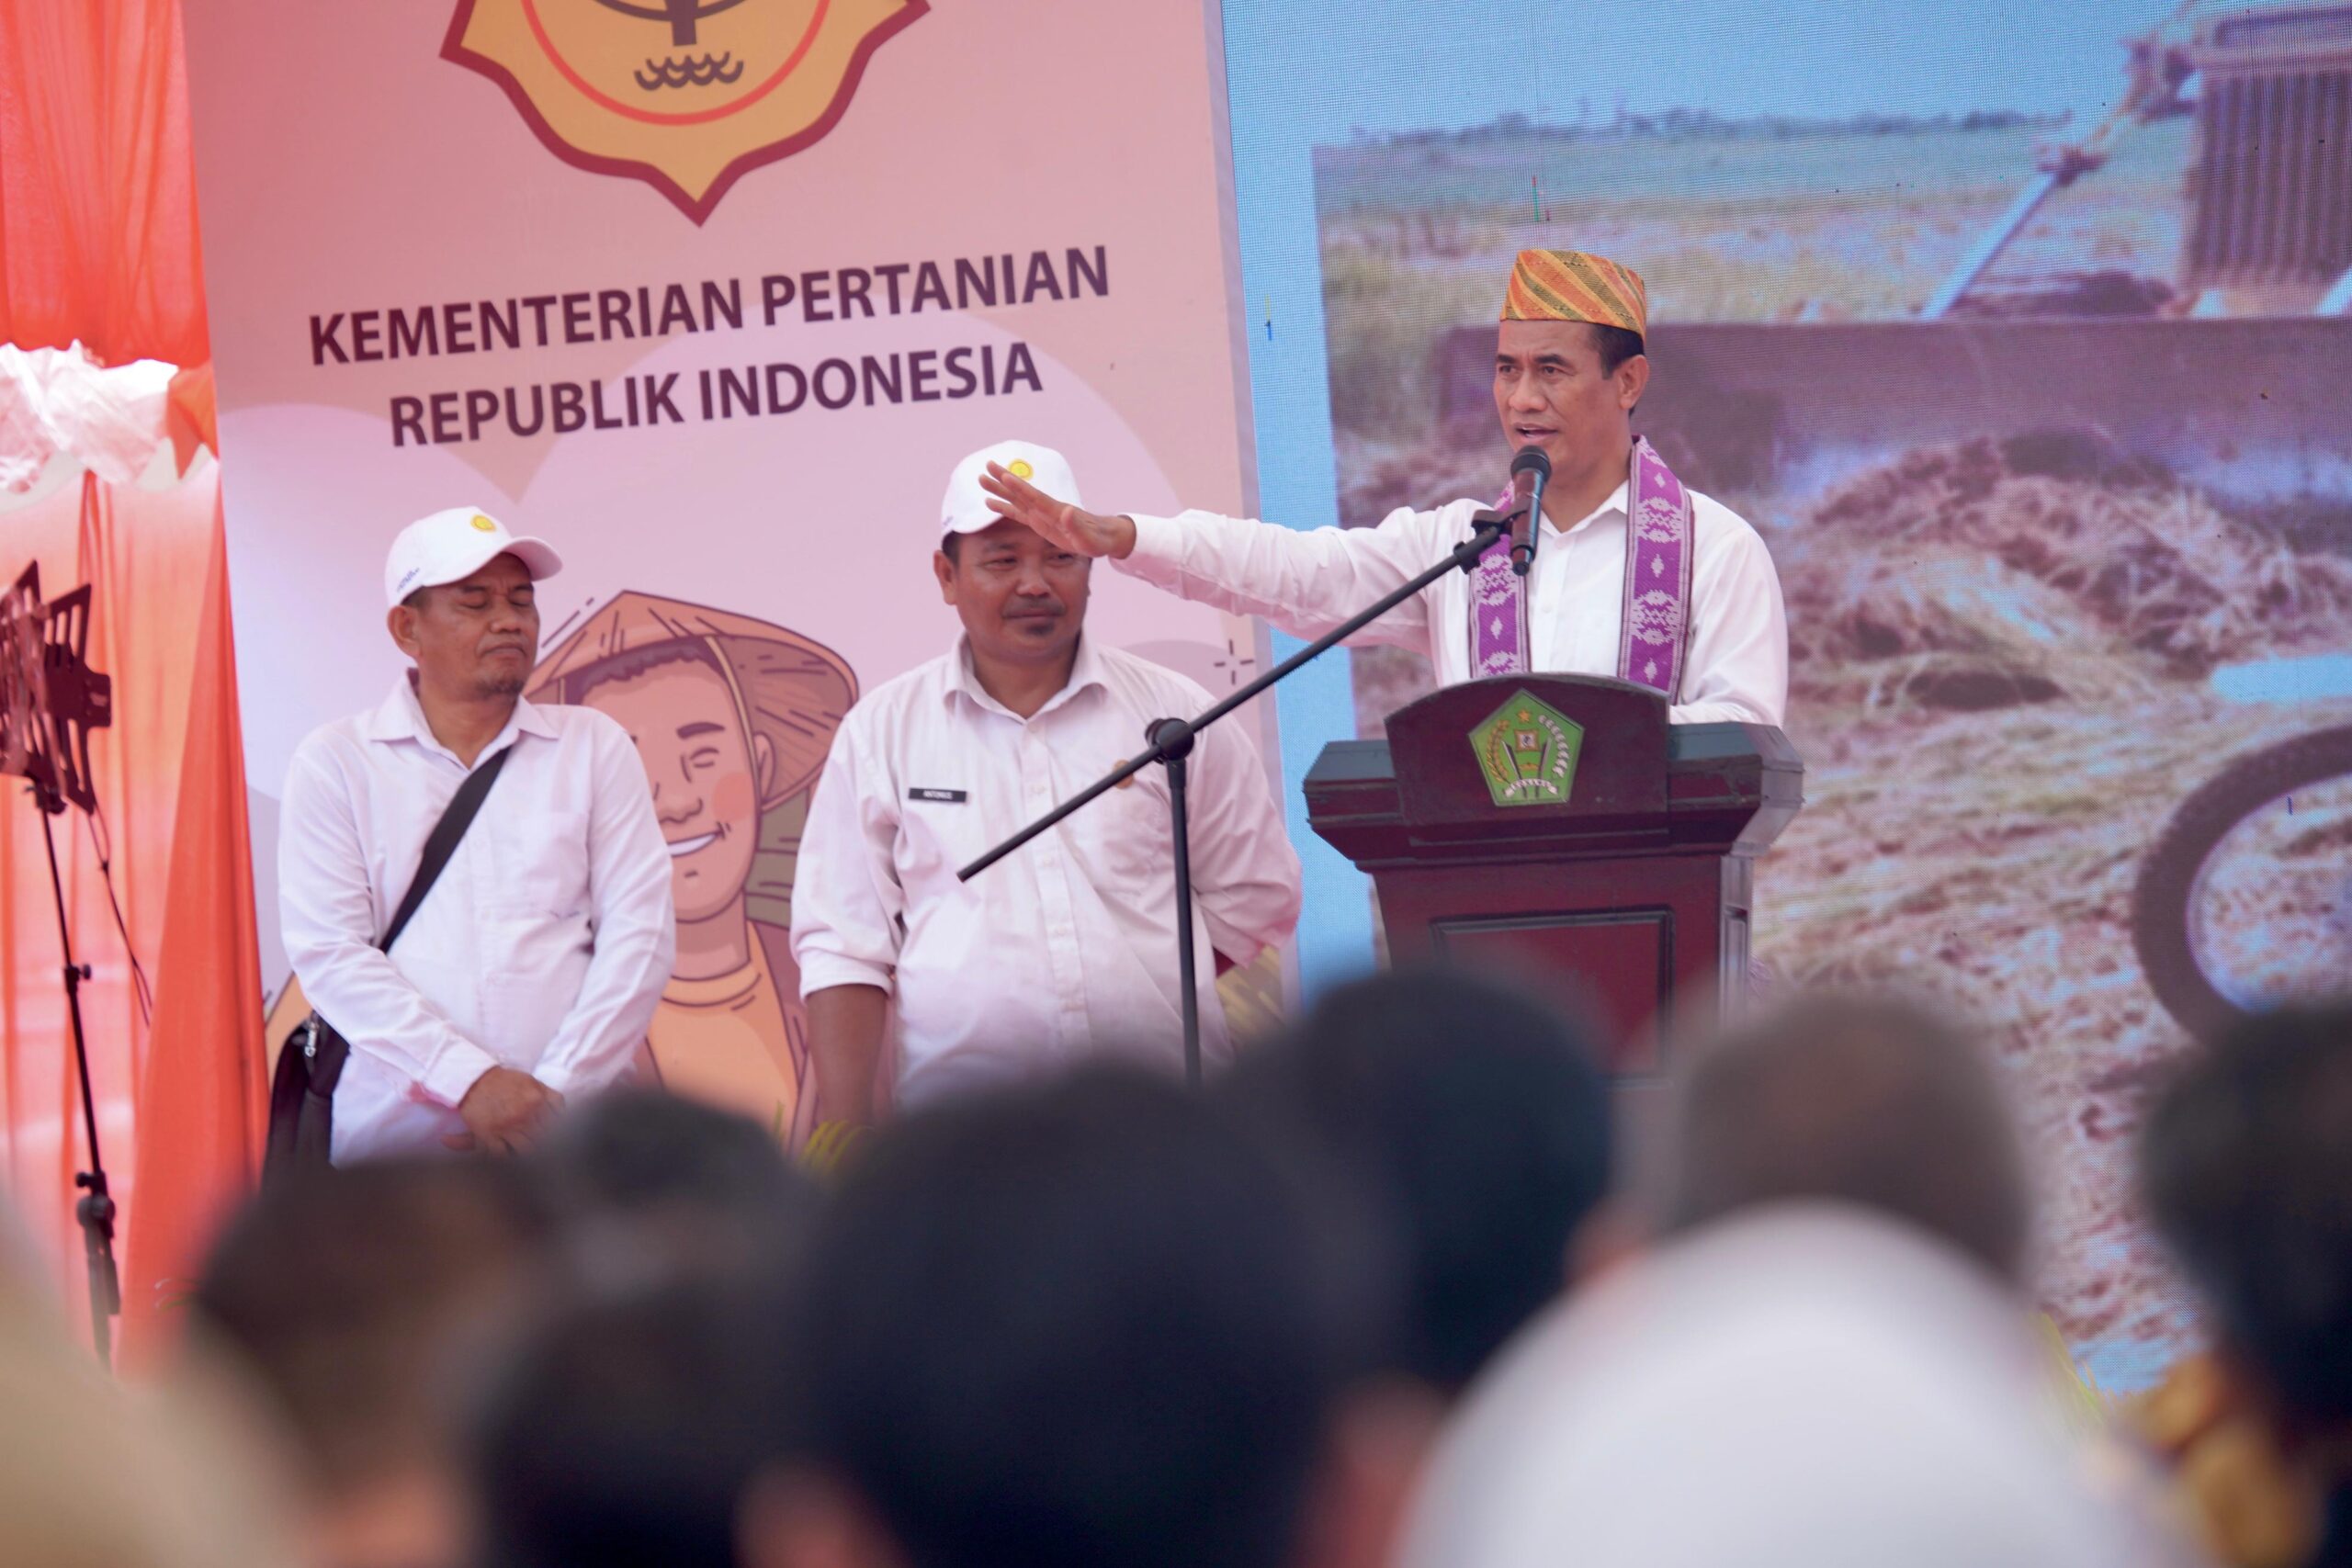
point(98, 191)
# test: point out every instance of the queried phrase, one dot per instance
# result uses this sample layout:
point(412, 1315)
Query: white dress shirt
point(1069, 944)
point(543, 947)
point(1309, 582)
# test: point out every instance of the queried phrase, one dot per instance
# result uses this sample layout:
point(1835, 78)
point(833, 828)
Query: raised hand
point(1070, 527)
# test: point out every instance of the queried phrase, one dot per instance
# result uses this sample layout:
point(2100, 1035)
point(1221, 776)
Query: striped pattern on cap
point(1576, 286)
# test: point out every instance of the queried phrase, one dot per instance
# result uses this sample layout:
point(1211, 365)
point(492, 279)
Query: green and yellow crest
point(1528, 751)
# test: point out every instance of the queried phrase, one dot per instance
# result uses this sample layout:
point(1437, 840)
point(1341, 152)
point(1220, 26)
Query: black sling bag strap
point(301, 1090)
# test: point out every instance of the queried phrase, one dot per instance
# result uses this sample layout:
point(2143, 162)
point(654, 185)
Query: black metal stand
point(96, 1209)
point(1169, 742)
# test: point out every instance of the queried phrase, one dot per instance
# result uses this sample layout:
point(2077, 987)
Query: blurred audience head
point(95, 1476)
point(2246, 1165)
point(624, 1427)
point(1804, 1385)
point(352, 1303)
point(1083, 1323)
point(623, 1432)
point(1867, 1100)
point(643, 1181)
point(1473, 1119)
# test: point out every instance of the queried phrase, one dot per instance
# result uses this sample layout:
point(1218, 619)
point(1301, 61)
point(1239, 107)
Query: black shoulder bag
point(302, 1092)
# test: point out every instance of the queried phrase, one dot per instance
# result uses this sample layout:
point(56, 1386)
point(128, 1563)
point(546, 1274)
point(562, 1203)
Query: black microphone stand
point(1169, 742)
point(49, 701)
point(96, 1209)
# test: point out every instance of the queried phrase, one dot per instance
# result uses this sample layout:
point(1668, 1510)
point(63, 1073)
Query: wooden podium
point(1557, 827)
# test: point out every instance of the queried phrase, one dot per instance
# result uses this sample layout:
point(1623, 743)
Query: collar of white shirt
point(1616, 502)
point(401, 718)
point(1085, 671)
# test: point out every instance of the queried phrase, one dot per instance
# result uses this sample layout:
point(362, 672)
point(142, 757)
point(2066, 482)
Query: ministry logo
point(684, 95)
point(1528, 749)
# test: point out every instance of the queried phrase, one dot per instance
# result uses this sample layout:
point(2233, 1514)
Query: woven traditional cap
point(1576, 286)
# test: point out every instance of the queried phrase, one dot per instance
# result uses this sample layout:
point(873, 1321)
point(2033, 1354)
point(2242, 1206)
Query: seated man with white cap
point(530, 969)
point(1068, 946)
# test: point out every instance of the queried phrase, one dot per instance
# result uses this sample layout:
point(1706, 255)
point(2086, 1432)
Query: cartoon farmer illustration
point(732, 717)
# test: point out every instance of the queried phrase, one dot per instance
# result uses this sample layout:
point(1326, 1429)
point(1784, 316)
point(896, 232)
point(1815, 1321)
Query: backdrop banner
point(713, 297)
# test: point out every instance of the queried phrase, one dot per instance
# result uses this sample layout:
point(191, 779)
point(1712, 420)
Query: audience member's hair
point(1085, 1323)
point(1866, 1100)
point(626, 1426)
point(2246, 1165)
point(1475, 1121)
point(687, 1182)
point(345, 1295)
point(625, 1431)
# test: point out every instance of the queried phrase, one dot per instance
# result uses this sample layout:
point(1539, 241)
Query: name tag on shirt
point(944, 796)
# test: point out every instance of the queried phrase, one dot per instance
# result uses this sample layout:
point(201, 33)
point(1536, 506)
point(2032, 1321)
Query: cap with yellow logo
point(966, 509)
point(451, 545)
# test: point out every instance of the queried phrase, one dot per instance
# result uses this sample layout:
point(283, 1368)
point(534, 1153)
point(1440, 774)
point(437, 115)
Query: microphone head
point(1531, 460)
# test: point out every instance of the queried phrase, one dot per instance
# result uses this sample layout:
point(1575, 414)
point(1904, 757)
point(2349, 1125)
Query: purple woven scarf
point(1655, 626)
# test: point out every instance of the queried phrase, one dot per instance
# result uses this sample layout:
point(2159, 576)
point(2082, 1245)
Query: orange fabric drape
point(97, 189)
point(201, 1098)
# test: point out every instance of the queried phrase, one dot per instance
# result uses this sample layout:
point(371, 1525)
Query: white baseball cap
point(451, 545)
point(966, 509)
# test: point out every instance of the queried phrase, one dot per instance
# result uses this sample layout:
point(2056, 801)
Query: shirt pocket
point(544, 870)
point(936, 840)
point(1132, 839)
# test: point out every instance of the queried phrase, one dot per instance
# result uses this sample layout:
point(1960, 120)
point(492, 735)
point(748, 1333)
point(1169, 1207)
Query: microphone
point(1529, 471)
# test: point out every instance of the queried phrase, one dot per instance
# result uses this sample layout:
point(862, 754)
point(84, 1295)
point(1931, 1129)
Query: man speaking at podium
point(1632, 576)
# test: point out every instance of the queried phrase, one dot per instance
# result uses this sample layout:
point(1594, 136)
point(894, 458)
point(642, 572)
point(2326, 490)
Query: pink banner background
point(345, 165)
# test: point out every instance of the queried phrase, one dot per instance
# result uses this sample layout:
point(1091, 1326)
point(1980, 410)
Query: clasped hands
point(504, 1112)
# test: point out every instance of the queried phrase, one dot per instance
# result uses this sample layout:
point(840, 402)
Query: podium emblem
point(1528, 751)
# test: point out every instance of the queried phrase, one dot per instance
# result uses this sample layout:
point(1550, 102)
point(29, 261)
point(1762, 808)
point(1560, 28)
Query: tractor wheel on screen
point(2163, 899)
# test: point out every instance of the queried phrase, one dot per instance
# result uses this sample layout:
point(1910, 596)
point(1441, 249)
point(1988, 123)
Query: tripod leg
point(96, 1212)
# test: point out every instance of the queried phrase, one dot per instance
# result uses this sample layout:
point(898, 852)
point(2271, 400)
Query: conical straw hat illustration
point(790, 689)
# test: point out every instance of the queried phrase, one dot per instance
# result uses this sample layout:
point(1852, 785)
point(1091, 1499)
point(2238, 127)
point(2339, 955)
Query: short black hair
point(688, 1179)
point(951, 545)
point(1616, 346)
point(1877, 1100)
point(625, 1431)
point(625, 1427)
point(2245, 1165)
point(1474, 1119)
point(1073, 1324)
